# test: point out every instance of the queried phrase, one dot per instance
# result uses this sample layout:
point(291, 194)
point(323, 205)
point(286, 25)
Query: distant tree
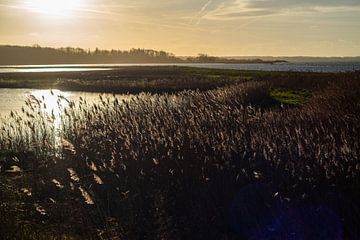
point(38, 55)
point(67, 55)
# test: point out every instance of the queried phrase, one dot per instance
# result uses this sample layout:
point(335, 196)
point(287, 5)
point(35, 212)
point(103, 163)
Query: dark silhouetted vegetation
point(204, 58)
point(211, 164)
point(163, 79)
point(22, 55)
point(19, 55)
point(126, 79)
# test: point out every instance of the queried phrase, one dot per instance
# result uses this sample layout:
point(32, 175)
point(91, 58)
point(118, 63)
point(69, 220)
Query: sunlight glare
point(52, 105)
point(54, 7)
point(52, 100)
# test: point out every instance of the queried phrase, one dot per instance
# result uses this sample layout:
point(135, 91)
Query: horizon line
point(221, 56)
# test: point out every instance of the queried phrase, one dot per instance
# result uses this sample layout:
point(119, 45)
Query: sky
point(188, 27)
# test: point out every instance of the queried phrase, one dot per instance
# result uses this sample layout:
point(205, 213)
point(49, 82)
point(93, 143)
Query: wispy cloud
point(198, 16)
point(234, 9)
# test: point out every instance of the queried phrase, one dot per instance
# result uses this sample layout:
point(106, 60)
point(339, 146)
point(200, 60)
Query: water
point(52, 105)
point(48, 69)
point(14, 99)
point(330, 67)
point(288, 66)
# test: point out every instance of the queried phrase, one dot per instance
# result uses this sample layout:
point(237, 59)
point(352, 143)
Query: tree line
point(68, 55)
point(31, 55)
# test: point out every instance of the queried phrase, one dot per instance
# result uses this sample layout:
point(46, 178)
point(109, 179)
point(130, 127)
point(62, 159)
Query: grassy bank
point(160, 79)
point(290, 97)
point(126, 79)
point(214, 164)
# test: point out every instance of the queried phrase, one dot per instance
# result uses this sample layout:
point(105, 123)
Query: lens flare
point(54, 7)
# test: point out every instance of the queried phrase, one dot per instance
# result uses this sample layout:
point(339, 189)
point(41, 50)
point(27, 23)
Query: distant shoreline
point(74, 64)
point(36, 55)
point(325, 67)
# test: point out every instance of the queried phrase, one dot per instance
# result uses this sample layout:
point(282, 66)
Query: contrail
point(202, 10)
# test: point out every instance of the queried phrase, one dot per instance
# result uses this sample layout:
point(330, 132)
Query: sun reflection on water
point(52, 104)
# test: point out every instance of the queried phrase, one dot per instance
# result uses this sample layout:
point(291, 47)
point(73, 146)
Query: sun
point(54, 7)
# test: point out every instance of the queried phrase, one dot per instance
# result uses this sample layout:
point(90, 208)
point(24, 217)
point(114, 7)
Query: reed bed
point(192, 165)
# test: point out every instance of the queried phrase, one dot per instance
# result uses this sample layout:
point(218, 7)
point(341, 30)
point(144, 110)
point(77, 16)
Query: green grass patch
point(289, 96)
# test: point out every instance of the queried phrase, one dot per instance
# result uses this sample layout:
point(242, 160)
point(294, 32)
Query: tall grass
point(193, 165)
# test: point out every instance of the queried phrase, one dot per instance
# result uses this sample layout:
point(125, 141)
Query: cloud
point(242, 14)
point(233, 9)
point(287, 4)
point(201, 12)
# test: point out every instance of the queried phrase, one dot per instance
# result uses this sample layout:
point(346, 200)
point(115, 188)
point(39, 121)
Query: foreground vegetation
point(224, 163)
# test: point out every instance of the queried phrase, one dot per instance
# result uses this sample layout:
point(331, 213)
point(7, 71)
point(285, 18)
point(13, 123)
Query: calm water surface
point(48, 69)
point(14, 99)
point(289, 66)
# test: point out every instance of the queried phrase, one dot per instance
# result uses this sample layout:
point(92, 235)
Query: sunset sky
point(188, 27)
